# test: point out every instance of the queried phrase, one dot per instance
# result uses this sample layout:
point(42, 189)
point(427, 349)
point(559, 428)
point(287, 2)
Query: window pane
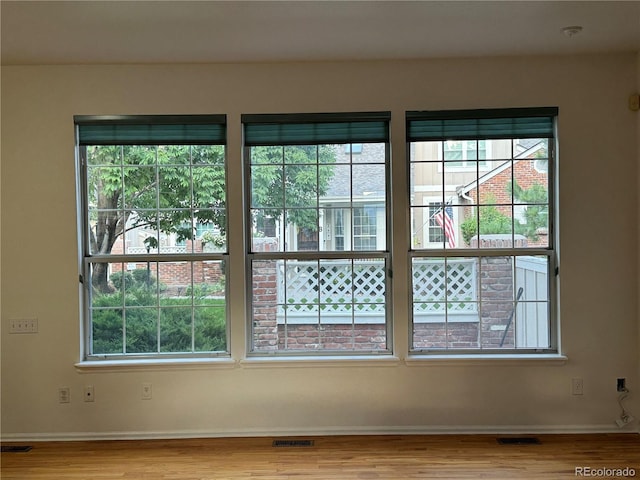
point(104, 187)
point(297, 189)
point(267, 232)
point(151, 201)
point(531, 321)
point(267, 186)
point(426, 151)
point(138, 155)
point(445, 302)
point(496, 227)
point(210, 327)
point(207, 154)
point(179, 304)
point(104, 155)
point(141, 324)
point(307, 235)
point(140, 187)
point(497, 280)
point(209, 186)
point(176, 325)
point(304, 154)
point(291, 298)
point(174, 155)
point(107, 330)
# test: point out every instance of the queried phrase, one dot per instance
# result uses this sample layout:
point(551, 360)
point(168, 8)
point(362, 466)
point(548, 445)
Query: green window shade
point(481, 124)
point(315, 129)
point(152, 130)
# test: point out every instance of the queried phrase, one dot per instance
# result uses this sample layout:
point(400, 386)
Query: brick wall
point(441, 335)
point(264, 289)
point(268, 335)
point(332, 337)
point(496, 291)
point(496, 304)
point(494, 190)
point(177, 276)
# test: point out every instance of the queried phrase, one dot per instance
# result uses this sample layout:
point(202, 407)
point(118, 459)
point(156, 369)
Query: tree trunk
point(99, 278)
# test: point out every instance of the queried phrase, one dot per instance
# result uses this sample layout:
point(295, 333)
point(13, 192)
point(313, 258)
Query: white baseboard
point(325, 431)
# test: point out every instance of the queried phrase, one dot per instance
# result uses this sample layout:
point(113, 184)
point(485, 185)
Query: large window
point(153, 197)
point(318, 280)
point(486, 281)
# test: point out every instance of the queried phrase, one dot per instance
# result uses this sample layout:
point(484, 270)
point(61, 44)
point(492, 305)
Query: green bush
point(135, 318)
point(491, 221)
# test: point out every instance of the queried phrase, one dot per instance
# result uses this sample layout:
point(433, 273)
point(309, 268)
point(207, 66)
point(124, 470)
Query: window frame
point(155, 131)
point(348, 253)
point(438, 133)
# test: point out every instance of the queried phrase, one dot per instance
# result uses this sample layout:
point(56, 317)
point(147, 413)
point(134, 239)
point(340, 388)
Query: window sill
point(486, 359)
point(154, 364)
point(320, 361)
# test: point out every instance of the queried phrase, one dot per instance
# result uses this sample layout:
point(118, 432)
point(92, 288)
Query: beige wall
point(599, 264)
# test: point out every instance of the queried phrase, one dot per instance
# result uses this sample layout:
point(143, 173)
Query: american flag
point(444, 217)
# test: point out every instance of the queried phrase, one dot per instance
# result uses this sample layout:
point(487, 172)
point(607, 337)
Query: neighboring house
point(351, 212)
point(463, 178)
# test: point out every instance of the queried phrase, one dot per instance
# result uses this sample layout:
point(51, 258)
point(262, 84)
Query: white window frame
point(161, 255)
point(520, 256)
point(326, 251)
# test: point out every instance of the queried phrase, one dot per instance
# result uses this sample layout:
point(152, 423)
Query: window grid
point(329, 296)
point(318, 251)
point(151, 289)
point(504, 216)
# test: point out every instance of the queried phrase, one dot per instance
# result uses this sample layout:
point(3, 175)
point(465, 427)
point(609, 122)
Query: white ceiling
point(180, 31)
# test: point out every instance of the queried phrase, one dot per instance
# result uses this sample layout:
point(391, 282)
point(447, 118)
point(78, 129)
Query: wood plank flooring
point(396, 457)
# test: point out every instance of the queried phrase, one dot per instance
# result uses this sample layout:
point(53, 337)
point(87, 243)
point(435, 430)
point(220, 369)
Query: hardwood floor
point(396, 457)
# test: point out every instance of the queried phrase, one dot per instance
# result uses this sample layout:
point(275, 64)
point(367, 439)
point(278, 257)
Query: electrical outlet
point(64, 395)
point(23, 325)
point(146, 391)
point(89, 394)
point(577, 386)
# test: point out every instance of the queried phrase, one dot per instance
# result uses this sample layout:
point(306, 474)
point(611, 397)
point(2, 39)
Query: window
point(483, 271)
point(319, 282)
point(365, 231)
point(153, 200)
point(464, 153)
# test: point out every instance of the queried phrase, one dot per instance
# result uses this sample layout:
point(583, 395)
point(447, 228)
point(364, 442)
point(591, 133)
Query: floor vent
point(293, 443)
point(518, 441)
point(15, 448)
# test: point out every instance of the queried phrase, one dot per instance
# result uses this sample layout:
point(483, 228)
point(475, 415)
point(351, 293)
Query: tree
point(535, 201)
point(536, 212)
point(491, 221)
point(291, 178)
point(169, 187)
point(154, 186)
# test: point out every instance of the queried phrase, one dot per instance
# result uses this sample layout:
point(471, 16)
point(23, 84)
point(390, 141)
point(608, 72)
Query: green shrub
point(491, 221)
point(150, 327)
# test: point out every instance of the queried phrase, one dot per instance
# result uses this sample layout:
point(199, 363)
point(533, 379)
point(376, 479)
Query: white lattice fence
point(436, 287)
point(331, 288)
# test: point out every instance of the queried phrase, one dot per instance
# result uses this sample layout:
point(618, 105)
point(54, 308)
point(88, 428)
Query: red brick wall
point(332, 337)
point(177, 275)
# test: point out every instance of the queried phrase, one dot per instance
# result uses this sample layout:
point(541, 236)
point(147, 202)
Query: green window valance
point(481, 124)
point(151, 130)
point(314, 129)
